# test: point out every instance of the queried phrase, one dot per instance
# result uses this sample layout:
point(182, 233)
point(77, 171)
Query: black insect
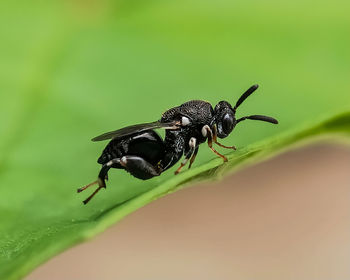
point(144, 154)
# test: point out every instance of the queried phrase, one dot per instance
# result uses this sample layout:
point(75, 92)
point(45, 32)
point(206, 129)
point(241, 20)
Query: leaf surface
point(72, 70)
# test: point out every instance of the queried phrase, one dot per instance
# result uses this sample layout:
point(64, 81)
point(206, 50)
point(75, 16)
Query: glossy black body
point(139, 149)
point(149, 146)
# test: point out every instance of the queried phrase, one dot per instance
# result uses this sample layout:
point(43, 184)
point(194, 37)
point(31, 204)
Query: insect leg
point(193, 157)
point(139, 167)
point(206, 131)
point(86, 186)
point(219, 144)
point(192, 145)
point(100, 180)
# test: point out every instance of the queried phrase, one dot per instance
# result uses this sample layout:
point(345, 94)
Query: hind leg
point(139, 167)
point(102, 176)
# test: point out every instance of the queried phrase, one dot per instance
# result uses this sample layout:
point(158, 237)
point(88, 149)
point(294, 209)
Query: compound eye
point(227, 123)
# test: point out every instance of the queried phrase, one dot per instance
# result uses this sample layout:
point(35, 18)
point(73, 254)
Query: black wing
point(126, 131)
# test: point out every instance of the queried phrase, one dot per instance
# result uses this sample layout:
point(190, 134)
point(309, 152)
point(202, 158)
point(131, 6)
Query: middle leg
point(193, 156)
point(192, 145)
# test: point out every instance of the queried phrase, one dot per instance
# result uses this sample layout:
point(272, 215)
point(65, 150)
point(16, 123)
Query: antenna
point(245, 95)
point(259, 118)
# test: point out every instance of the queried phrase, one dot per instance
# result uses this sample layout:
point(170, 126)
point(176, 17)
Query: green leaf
point(72, 70)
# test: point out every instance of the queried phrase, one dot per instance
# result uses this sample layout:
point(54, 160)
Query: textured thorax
point(198, 114)
point(198, 111)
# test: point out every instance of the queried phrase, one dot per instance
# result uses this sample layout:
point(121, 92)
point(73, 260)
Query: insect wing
point(129, 130)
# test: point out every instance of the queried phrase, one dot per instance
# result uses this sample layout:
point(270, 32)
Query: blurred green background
point(70, 70)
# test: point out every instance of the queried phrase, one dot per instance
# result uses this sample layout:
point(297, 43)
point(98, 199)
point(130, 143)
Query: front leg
point(207, 132)
point(219, 144)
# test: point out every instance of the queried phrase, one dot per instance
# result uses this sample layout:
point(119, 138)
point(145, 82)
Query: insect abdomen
point(114, 149)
